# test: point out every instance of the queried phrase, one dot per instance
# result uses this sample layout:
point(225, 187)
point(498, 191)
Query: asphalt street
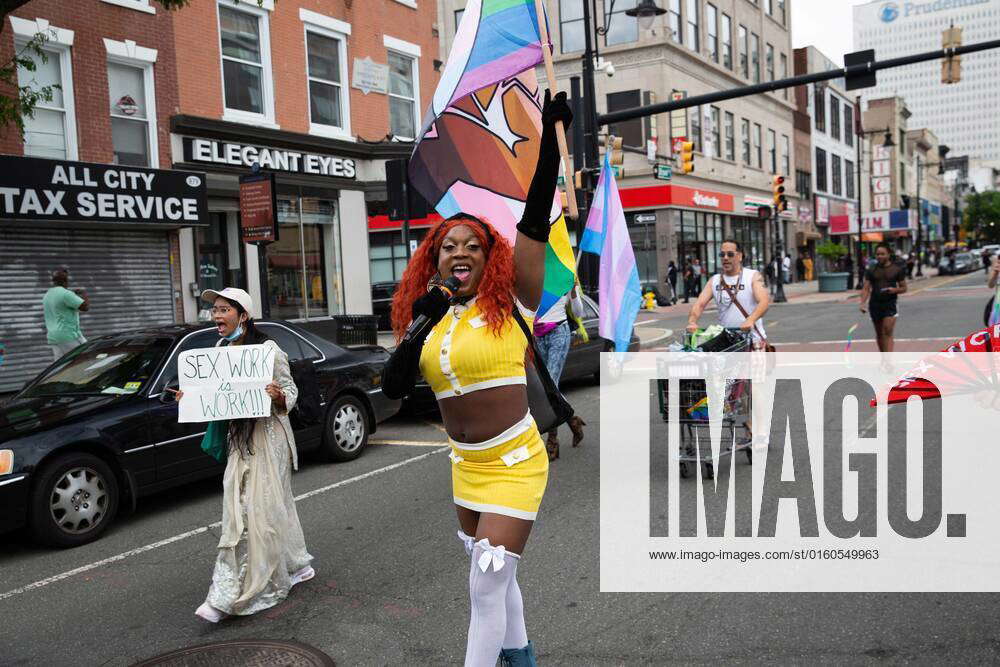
point(391, 584)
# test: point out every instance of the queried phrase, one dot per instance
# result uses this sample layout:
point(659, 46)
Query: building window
point(784, 74)
point(744, 51)
point(757, 146)
point(246, 63)
point(820, 170)
point(674, 19)
point(849, 125)
point(631, 130)
point(304, 265)
point(902, 177)
point(838, 185)
point(745, 127)
point(769, 7)
point(133, 118)
point(772, 150)
point(755, 57)
point(786, 159)
point(716, 131)
point(902, 142)
point(834, 117)
point(849, 179)
point(693, 33)
point(802, 183)
point(328, 98)
point(387, 255)
point(51, 133)
point(712, 28)
point(819, 108)
point(402, 95)
point(727, 42)
point(769, 61)
point(781, 11)
point(696, 128)
point(571, 26)
point(459, 13)
point(730, 136)
point(624, 29)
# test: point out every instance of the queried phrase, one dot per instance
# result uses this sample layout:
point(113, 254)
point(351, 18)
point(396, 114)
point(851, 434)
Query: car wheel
point(74, 501)
point(346, 431)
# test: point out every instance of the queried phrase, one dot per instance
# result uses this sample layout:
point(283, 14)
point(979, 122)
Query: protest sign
point(225, 382)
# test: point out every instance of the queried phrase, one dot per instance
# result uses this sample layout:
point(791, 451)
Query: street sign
point(664, 172)
point(644, 218)
point(865, 79)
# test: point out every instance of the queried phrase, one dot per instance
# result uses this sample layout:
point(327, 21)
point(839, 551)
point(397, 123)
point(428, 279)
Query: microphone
point(421, 323)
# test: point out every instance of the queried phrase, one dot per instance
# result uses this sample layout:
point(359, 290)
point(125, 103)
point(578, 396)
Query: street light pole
point(858, 157)
point(920, 221)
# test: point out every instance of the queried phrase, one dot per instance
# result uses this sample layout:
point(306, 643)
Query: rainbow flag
point(699, 410)
point(478, 147)
point(607, 235)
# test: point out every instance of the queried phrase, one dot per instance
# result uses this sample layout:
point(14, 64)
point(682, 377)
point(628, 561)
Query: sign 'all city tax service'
point(60, 190)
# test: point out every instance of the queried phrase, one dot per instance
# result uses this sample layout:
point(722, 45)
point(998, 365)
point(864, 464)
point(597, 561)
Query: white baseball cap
point(233, 293)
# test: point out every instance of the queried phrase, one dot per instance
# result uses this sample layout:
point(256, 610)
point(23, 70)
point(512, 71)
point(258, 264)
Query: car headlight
point(6, 461)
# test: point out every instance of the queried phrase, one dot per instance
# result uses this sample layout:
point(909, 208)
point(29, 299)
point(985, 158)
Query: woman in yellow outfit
point(473, 358)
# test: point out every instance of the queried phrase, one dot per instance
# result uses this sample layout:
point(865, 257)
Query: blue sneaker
point(518, 657)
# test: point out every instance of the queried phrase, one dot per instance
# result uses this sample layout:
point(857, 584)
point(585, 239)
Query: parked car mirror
point(167, 396)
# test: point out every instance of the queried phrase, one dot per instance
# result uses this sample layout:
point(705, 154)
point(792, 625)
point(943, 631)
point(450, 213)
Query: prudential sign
point(890, 11)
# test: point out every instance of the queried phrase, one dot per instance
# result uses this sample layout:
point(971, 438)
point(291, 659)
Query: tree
point(17, 101)
point(981, 216)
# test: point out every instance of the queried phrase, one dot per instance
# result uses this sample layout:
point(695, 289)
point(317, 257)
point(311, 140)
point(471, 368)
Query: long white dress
point(262, 542)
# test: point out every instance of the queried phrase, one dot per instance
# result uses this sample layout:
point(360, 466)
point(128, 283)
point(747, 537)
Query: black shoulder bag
point(548, 406)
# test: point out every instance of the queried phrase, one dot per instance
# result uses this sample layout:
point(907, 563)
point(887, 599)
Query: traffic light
point(778, 194)
point(615, 146)
point(687, 157)
point(951, 67)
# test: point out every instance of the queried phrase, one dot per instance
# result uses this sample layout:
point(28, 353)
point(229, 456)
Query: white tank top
point(729, 315)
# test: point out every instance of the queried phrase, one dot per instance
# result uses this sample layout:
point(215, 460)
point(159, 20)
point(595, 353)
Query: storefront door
point(218, 265)
point(304, 274)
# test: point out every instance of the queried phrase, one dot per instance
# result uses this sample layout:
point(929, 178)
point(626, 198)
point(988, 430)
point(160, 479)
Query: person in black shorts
point(883, 283)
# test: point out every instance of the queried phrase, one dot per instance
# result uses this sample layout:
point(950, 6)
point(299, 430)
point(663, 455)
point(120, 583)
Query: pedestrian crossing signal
point(778, 193)
point(687, 157)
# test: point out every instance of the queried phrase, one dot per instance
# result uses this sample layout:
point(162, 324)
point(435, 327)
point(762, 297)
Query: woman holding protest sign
point(462, 315)
point(262, 552)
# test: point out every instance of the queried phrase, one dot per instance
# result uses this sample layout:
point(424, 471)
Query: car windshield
point(117, 366)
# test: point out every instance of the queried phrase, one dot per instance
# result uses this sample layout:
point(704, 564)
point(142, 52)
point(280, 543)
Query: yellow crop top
point(461, 354)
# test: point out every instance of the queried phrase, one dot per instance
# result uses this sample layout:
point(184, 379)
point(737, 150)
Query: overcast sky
point(825, 24)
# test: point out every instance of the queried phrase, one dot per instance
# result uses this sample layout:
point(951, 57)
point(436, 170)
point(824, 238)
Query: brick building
point(114, 65)
point(319, 92)
point(322, 93)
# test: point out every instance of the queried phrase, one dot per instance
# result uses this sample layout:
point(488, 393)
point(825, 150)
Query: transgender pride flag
point(606, 235)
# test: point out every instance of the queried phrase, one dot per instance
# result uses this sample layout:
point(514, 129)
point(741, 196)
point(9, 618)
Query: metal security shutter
point(126, 275)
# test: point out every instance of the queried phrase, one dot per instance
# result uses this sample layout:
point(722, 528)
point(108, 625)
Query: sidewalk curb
point(667, 333)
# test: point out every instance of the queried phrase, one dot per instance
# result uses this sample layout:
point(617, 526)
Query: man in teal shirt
point(62, 314)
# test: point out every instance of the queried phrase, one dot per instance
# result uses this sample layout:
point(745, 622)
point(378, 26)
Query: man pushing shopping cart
point(741, 299)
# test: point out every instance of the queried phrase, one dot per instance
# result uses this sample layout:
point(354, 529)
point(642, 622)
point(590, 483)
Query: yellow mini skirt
point(504, 475)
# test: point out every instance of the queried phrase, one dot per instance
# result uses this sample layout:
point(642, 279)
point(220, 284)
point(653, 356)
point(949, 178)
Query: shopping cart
point(701, 375)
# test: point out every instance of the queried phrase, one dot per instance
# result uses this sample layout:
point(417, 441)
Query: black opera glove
point(535, 221)
point(432, 305)
point(400, 373)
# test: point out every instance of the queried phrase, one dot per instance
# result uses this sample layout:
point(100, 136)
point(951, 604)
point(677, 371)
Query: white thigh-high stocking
point(516, 635)
point(491, 573)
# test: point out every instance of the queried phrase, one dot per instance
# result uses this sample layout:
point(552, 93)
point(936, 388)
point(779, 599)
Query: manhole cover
point(243, 652)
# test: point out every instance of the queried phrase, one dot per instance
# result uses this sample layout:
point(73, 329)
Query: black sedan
point(96, 430)
point(582, 361)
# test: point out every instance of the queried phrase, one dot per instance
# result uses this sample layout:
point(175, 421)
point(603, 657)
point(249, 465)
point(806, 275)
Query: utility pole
point(858, 157)
point(920, 221)
point(779, 269)
point(588, 279)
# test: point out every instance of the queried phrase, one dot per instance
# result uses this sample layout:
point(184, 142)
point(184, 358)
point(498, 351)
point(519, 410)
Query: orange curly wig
point(495, 296)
